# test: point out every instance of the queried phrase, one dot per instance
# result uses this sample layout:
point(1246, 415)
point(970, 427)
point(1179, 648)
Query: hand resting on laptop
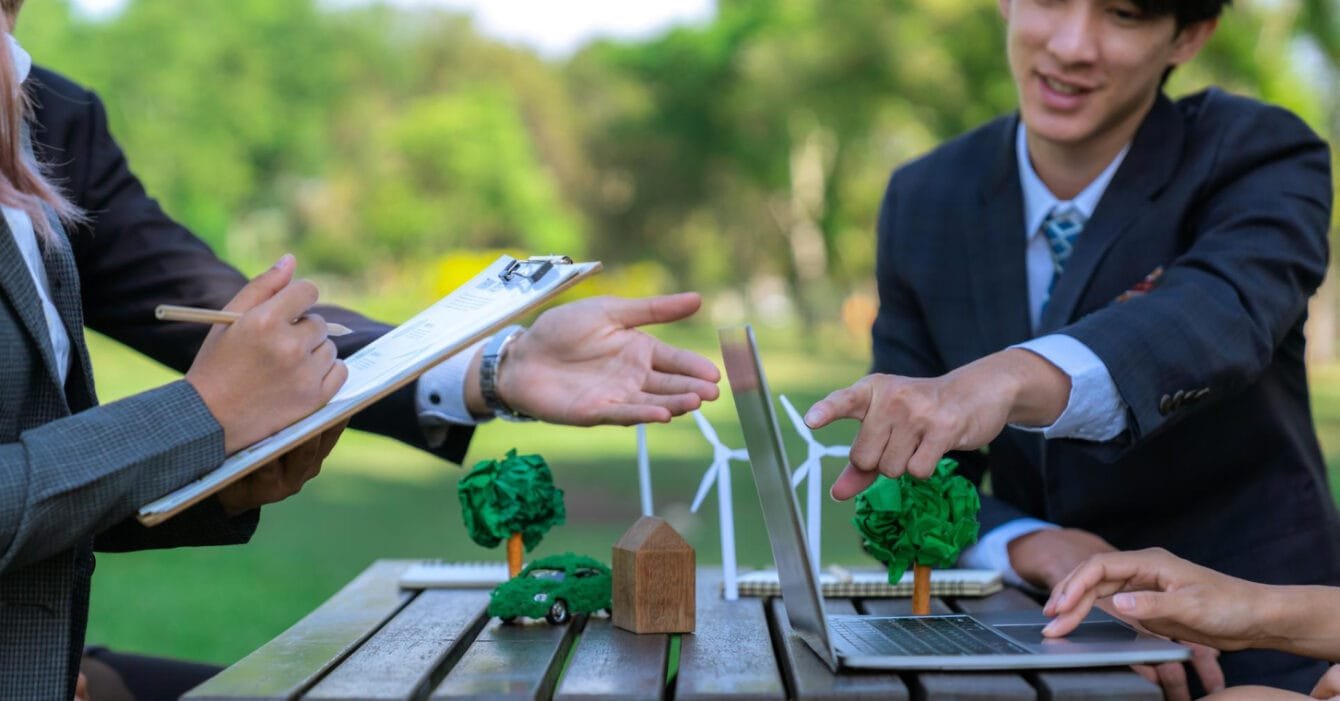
point(1184, 601)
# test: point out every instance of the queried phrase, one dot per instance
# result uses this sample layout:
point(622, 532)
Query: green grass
point(378, 499)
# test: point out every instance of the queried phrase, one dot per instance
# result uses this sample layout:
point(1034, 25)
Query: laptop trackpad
point(1095, 632)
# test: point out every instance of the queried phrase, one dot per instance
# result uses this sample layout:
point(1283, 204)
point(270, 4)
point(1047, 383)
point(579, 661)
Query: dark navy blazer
point(1232, 199)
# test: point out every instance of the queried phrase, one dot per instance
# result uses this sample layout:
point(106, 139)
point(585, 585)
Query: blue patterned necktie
point(1062, 228)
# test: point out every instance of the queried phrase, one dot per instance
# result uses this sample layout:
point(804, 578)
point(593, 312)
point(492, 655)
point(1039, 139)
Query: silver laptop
point(998, 640)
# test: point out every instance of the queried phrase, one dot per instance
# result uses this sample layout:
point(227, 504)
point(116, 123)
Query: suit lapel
point(19, 286)
point(1148, 166)
point(64, 277)
point(995, 251)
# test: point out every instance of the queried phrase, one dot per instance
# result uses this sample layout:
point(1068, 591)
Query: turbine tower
point(720, 472)
point(643, 470)
point(812, 469)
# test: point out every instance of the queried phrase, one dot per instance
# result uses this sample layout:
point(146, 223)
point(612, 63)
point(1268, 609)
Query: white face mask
point(23, 63)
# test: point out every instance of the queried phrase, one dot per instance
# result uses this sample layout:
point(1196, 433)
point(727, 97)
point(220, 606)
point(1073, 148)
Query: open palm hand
point(587, 363)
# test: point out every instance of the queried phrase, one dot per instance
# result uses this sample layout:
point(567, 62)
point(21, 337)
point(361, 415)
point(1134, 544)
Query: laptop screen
point(781, 515)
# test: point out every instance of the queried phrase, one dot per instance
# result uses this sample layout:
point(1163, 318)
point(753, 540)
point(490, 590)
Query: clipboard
point(505, 290)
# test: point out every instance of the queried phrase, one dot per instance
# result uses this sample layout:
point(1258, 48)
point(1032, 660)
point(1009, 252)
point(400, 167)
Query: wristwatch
point(494, 352)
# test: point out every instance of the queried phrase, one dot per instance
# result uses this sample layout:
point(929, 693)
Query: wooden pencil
point(172, 312)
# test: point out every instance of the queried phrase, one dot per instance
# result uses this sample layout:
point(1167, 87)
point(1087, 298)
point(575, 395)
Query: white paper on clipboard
point(505, 290)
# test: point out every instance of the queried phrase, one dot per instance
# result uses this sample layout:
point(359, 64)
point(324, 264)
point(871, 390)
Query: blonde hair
point(23, 182)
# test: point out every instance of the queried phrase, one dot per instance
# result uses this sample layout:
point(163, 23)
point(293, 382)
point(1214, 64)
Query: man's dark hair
point(1184, 12)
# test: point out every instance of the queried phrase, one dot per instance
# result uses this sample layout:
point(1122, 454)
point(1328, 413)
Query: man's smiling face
point(1088, 70)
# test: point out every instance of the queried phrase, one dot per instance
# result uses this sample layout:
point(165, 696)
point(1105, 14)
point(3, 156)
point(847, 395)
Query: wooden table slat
point(612, 663)
point(1107, 684)
point(972, 686)
point(810, 677)
point(730, 656)
point(402, 658)
point(511, 661)
point(285, 666)
point(1096, 685)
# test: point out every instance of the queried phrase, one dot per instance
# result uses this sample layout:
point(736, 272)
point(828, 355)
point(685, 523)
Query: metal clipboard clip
point(533, 268)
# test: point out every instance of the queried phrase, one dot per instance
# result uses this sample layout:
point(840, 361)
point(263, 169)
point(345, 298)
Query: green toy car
point(554, 588)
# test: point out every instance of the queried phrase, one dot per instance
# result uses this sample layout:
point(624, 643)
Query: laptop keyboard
point(938, 635)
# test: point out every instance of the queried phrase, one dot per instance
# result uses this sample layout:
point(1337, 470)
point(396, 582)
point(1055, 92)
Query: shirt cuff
point(439, 397)
point(992, 551)
point(1094, 410)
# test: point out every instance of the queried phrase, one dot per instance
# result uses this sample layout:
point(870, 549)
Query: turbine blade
point(709, 478)
point(708, 432)
point(801, 428)
point(801, 473)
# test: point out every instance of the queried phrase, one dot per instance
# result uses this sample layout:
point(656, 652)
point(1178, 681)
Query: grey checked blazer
point(69, 469)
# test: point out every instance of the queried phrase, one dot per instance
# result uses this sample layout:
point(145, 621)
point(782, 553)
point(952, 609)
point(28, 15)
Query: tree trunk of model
point(921, 590)
point(514, 555)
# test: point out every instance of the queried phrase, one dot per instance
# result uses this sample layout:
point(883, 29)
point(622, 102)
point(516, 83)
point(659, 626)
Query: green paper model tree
point(512, 499)
point(911, 522)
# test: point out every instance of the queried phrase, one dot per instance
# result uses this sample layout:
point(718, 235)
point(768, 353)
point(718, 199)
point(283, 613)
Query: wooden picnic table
point(373, 640)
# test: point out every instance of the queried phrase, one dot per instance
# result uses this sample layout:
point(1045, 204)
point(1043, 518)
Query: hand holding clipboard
point(505, 290)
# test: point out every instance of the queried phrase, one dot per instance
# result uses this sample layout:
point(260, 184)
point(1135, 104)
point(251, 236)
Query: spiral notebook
point(874, 583)
point(436, 574)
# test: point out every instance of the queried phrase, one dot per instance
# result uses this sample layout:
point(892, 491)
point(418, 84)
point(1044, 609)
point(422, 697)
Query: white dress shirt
point(1094, 410)
point(21, 228)
point(439, 396)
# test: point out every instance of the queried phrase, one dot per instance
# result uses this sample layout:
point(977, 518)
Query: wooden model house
point(654, 583)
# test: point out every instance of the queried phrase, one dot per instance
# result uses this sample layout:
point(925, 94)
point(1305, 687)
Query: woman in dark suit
point(69, 468)
point(101, 252)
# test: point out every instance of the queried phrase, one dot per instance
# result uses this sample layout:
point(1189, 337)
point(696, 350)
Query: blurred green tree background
point(744, 156)
point(397, 150)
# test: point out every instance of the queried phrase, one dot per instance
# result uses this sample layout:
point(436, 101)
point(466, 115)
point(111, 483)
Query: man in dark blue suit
point(1108, 289)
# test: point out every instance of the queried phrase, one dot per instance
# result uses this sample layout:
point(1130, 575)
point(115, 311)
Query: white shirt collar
point(1039, 201)
point(23, 63)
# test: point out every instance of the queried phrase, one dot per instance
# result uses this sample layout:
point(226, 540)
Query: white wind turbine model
point(720, 471)
point(812, 469)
